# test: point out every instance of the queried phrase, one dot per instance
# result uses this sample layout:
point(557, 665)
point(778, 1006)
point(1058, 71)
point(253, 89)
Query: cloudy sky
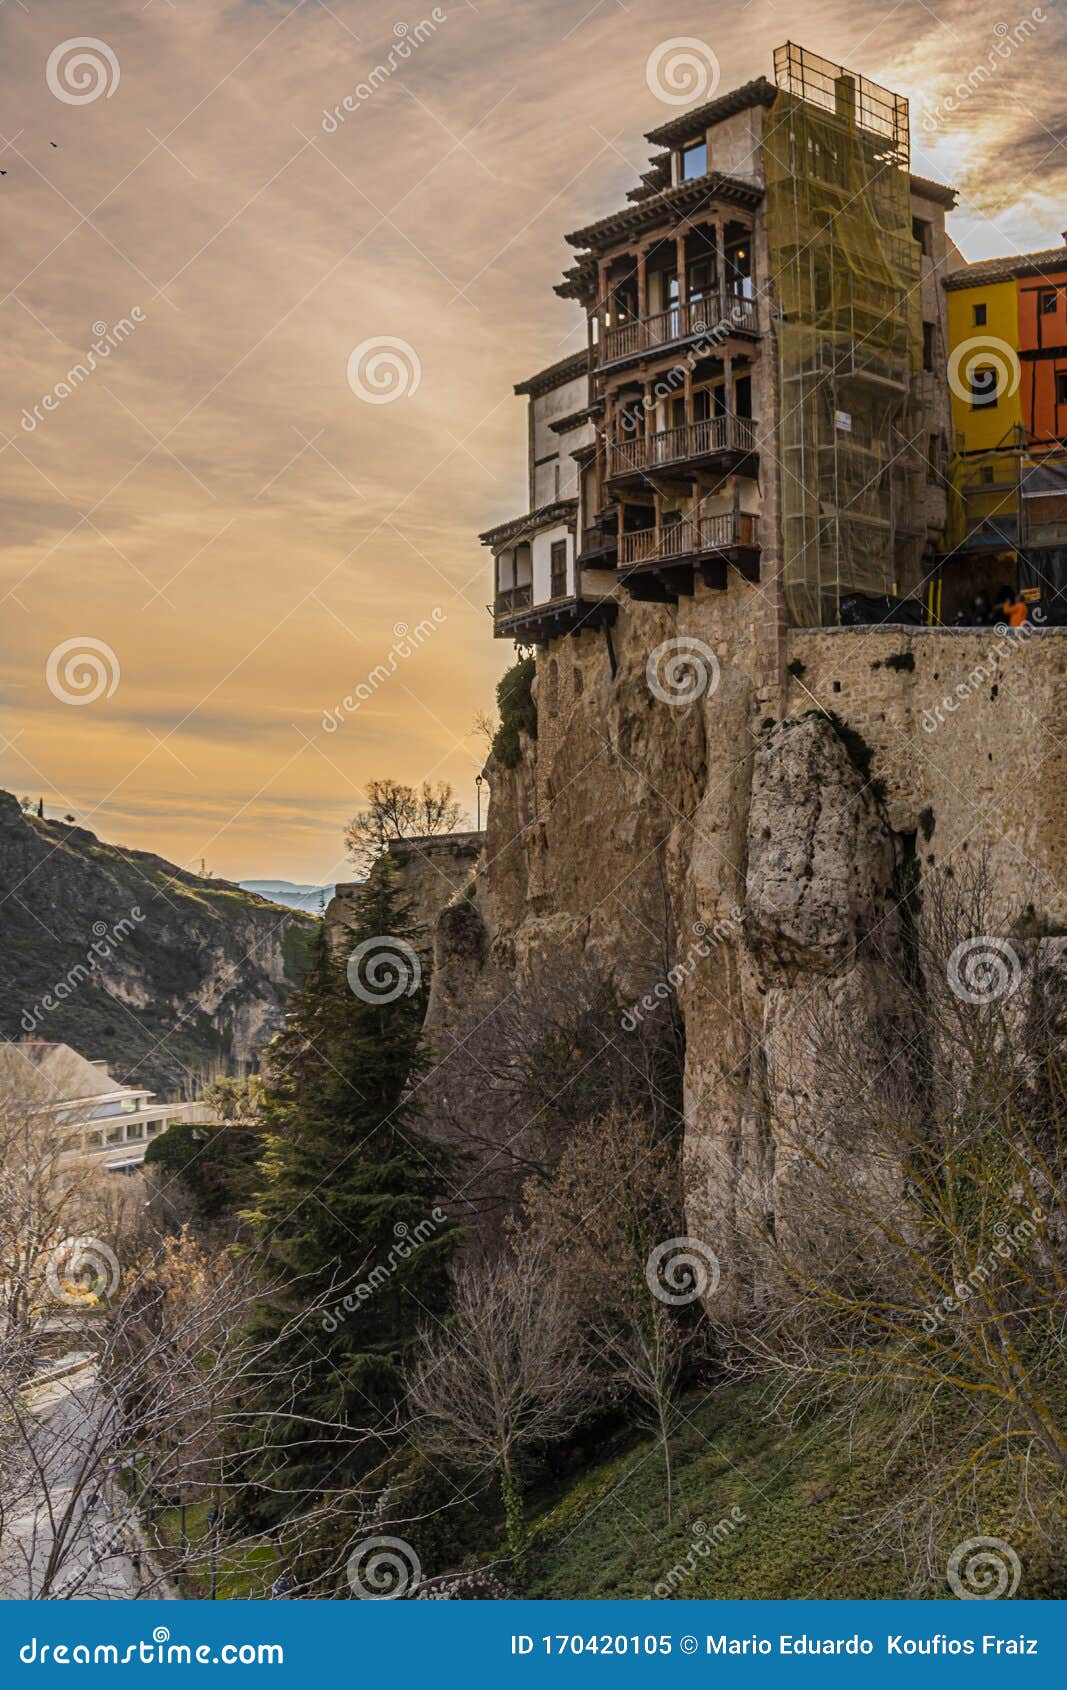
point(218, 514)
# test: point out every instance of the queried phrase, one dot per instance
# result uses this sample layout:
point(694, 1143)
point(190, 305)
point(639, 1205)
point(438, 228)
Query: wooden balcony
point(697, 317)
point(598, 548)
point(513, 600)
point(730, 440)
point(535, 624)
point(658, 563)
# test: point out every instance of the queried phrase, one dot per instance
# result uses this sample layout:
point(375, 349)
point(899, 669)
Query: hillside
point(126, 957)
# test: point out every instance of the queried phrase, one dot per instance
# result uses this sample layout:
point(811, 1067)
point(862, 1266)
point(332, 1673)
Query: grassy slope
point(809, 1496)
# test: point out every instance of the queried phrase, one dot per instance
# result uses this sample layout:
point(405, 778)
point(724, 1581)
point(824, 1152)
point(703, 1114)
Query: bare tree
point(612, 1213)
point(396, 811)
point(506, 1374)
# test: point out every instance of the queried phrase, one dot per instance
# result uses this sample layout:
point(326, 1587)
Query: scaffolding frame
point(846, 269)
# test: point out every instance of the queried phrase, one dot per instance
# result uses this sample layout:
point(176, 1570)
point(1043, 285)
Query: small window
point(979, 316)
point(986, 475)
point(984, 388)
point(921, 231)
point(694, 161)
point(928, 346)
point(1061, 387)
point(559, 569)
point(1047, 302)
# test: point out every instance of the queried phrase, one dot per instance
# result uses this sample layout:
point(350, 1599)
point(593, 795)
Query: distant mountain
point(126, 957)
point(311, 899)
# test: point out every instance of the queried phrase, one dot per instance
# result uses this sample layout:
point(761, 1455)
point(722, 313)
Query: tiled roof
point(556, 375)
point(685, 197)
point(759, 92)
point(937, 191)
point(1009, 267)
point(561, 510)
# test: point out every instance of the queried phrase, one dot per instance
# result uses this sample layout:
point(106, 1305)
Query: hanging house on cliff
point(761, 405)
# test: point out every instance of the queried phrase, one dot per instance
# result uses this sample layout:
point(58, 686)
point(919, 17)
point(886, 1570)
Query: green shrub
point(518, 712)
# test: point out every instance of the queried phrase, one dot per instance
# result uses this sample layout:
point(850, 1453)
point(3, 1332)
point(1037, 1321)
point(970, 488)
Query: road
point(58, 1537)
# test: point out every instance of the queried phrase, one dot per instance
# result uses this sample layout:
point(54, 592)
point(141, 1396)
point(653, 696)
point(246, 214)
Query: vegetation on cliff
point(518, 712)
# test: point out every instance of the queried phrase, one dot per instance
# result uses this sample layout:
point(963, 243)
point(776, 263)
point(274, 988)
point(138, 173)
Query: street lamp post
point(478, 783)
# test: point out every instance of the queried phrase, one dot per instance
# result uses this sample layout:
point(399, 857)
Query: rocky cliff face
point(123, 956)
point(696, 791)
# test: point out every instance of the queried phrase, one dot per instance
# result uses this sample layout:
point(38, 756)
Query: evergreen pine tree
point(349, 1207)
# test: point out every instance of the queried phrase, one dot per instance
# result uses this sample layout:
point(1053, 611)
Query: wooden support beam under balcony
point(667, 556)
point(516, 617)
point(697, 319)
point(723, 444)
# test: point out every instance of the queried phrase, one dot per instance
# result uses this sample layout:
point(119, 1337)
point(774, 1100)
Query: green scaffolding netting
point(845, 265)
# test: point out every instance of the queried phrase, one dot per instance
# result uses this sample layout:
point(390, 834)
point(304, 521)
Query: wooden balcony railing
point(596, 540)
point(692, 535)
point(678, 322)
point(513, 599)
point(675, 445)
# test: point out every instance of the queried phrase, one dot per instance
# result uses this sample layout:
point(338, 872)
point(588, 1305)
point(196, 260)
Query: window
point(928, 345)
point(921, 231)
point(979, 316)
point(694, 160)
point(559, 569)
point(983, 388)
point(1061, 387)
point(986, 475)
point(1047, 302)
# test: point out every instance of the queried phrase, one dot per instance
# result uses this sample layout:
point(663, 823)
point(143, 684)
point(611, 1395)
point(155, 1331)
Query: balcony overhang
point(541, 622)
